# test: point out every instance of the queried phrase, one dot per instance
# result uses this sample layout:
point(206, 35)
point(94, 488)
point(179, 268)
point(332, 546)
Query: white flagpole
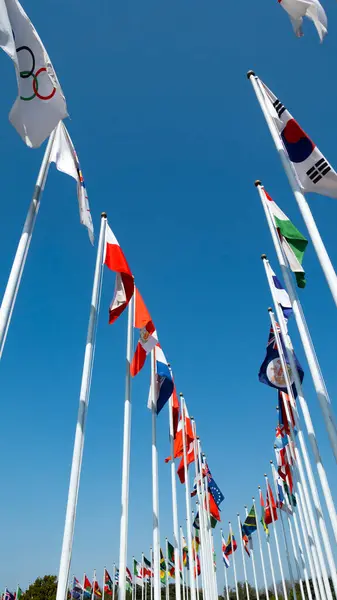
point(182, 563)
point(69, 526)
point(152, 576)
point(316, 239)
point(133, 578)
point(234, 566)
point(270, 556)
point(188, 504)
point(155, 486)
point(225, 569)
point(243, 557)
point(113, 581)
point(195, 554)
point(202, 516)
point(103, 591)
point(285, 593)
point(209, 534)
point(311, 433)
point(93, 586)
point(142, 576)
point(82, 594)
point(123, 542)
point(14, 280)
point(305, 534)
point(174, 506)
point(167, 571)
point(253, 561)
point(284, 534)
point(314, 366)
point(261, 554)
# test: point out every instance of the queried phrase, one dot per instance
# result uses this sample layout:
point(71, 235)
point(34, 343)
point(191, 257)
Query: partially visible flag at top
point(224, 551)
point(115, 260)
point(282, 296)
point(148, 337)
point(250, 524)
point(312, 170)
point(64, 156)
point(164, 381)
point(297, 9)
point(40, 104)
point(292, 241)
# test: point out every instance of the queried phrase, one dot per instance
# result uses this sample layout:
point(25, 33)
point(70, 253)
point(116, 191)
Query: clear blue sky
point(171, 139)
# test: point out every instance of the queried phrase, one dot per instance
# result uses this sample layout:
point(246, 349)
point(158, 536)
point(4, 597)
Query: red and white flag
point(124, 287)
point(178, 447)
point(148, 337)
point(190, 457)
point(297, 9)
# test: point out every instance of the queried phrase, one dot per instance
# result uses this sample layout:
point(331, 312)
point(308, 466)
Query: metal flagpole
point(253, 560)
point(234, 566)
point(311, 433)
point(93, 586)
point(151, 578)
point(305, 533)
point(14, 280)
point(285, 593)
point(261, 554)
point(316, 239)
point(167, 570)
point(202, 524)
point(82, 594)
point(174, 506)
point(269, 554)
point(209, 532)
point(243, 557)
point(103, 591)
point(284, 535)
point(314, 366)
point(113, 581)
point(188, 504)
point(133, 579)
point(155, 487)
point(182, 563)
point(123, 542)
point(69, 526)
point(142, 576)
point(225, 569)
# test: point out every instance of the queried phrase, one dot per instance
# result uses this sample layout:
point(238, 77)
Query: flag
point(312, 170)
point(137, 569)
point(175, 411)
point(245, 540)
point(124, 286)
point(87, 587)
point(231, 545)
point(250, 524)
point(282, 500)
point(178, 446)
point(213, 488)
point(196, 540)
point(148, 337)
point(97, 590)
point(292, 241)
point(108, 584)
point(148, 572)
point(263, 512)
point(170, 552)
point(171, 571)
point(291, 497)
point(40, 104)
point(185, 552)
point(281, 295)
point(164, 381)
point(270, 510)
point(189, 460)
point(76, 592)
point(162, 567)
point(19, 593)
point(8, 595)
point(117, 576)
point(128, 580)
point(271, 371)
point(224, 551)
point(213, 507)
point(297, 9)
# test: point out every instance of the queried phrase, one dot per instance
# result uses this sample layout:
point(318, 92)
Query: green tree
point(43, 588)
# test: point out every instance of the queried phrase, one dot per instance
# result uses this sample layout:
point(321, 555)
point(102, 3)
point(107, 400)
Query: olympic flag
point(40, 104)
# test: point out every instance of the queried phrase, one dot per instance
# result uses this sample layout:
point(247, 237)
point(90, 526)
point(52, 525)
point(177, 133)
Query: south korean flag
point(312, 170)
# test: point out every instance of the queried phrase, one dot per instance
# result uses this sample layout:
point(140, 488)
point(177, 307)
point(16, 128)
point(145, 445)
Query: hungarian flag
point(108, 583)
point(40, 104)
point(189, 460)
point(297, 9)
point(292, 241)
point(124, 286)
point(148, 337)
point(64, 156)
point(270, 514)
point(312, 170)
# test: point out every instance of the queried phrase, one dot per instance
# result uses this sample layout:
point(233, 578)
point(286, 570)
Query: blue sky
point(171, 139)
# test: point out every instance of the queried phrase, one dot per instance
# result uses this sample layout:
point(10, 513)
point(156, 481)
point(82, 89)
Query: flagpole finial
point(271, 462)
point(275, 447)
point(104, 215)
point(265, 474)
point(263, 256)
point(181, 394)
point(253, 498)
point(245, 506)
point(238, 514)
point(257, 182)
point(250, 74)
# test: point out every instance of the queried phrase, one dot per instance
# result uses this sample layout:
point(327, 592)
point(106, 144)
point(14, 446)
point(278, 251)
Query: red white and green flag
point(108, 584)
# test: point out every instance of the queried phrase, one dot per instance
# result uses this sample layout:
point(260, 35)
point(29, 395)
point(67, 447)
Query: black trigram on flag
point(279, 107)
point(317, 172)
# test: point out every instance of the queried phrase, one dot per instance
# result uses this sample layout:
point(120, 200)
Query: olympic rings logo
point(35, 83)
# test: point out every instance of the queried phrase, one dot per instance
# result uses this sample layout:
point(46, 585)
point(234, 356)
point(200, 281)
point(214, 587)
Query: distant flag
point(40, 104)
point(148, 572)
point(117, 576)
point(282, 500)
point(8, 595)
point(108, 584)
point(185, 552)
point(137, 569)
point(97, 590)
point(224, 551)
point(312, 170)
point(148, 337)
point(282, 296)
point(171, 571)
point(178, 447)
point(271, 372)
point(128, 580)
point(124, 286)
point(76, 591)
point(163, 577)
point(270, 510)
point(291, 497)
point(170, 552)
point(87, 587)
point(189, 460)
point(196, 540)
point(297, 9)
point(263, 512)
point(245, 540)
point(175, 410)
point(231, 545)
point(19, 593)
point(250, 524)
point(214, 488)
point(292, 241)
point(64, 156)
point(213, 507)
point(164, 381)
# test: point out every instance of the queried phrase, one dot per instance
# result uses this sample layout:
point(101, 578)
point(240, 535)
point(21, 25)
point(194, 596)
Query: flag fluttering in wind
point(148, 572)
point(40, 104)
point(185, 552)
point(87, 587)
point(137, 569)
point(213, 487)
point(297, 9)
point(292, 241)
point(76, 590)
point(271, 371)
point(148, 337)
point(263, 513)
point(231, 545)
point(170, 552)
point(270, 514)
point(250, 524)
point(163, 577)
point(178, 446)
point(313, 172)
point(164, 381)
point(224, 551)
point(282, 296)
point(19, 593)
point(108, 584)
point(64, 156)
point(245, 540)
point(97, 590)
point(128, 580)
point(124, 286)
point(8, 595)
point(190, 457)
